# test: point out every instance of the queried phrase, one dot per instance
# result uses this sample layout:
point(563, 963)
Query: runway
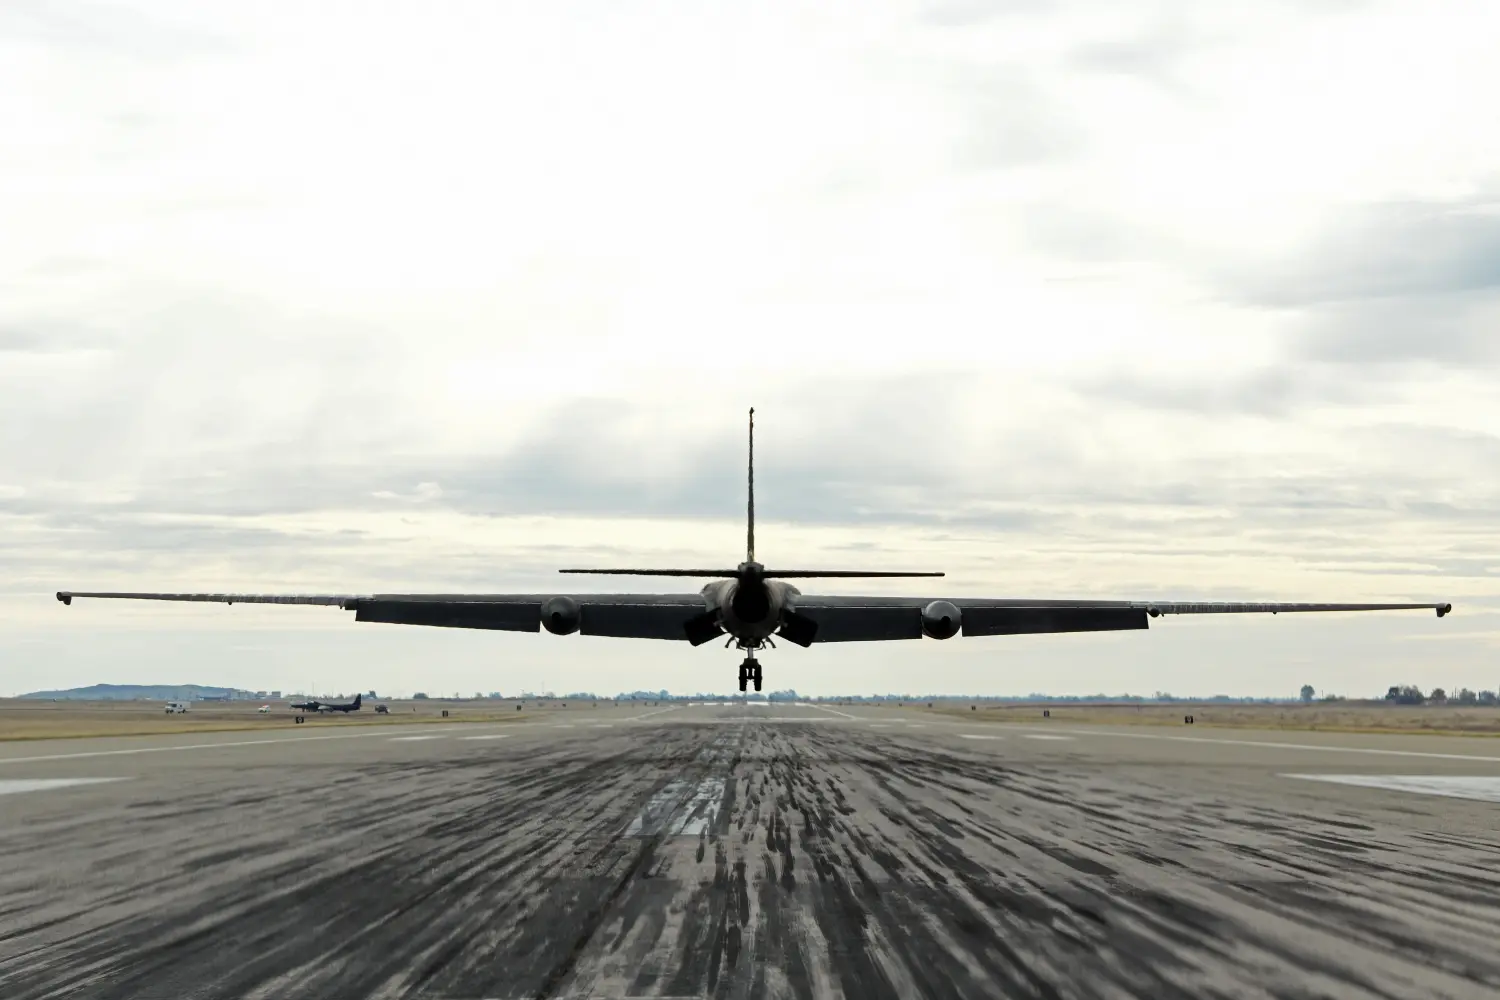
point(728, 851)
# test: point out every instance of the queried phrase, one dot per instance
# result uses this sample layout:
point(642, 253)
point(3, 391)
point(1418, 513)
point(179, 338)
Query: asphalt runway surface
point(729, 851)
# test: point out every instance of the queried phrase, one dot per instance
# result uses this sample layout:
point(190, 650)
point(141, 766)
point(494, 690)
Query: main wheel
point(757, 680)
point(742, 680)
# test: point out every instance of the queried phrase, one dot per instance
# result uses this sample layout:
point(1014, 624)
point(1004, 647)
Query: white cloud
point(1080, 298)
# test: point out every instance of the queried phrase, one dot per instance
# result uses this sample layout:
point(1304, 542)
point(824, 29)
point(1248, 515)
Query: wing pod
point(941, 620)
point(561, 616)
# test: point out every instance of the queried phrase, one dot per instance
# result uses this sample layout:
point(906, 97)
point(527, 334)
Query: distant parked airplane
point(323, 706)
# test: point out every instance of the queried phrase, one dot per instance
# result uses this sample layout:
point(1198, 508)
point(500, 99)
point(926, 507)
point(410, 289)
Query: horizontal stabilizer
point(722, 574)
point(845, 574)
point(730, 574)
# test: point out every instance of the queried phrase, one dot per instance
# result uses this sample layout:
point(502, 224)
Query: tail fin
point(758, 572)
point(750, 533)
point(356, 700)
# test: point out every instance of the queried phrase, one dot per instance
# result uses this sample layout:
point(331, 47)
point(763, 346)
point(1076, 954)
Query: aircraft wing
point(631, 616)
point(846, 619)
point(688, 616)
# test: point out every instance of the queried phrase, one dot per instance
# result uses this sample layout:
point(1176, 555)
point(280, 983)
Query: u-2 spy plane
point(753, 605)
point(315, 706)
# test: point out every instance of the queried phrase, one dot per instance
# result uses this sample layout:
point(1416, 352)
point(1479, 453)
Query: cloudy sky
point(1100, 299)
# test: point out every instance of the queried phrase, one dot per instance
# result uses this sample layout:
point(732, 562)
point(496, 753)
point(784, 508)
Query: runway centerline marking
point(686, 807)
point(1326, 748)
point(647, 715)
point(12, 786)
point(491, 736)
point(1484, 788)
point(980, 736)
point(822, 708)
point(1046, 736)
point(414, 739)
point(811, 720)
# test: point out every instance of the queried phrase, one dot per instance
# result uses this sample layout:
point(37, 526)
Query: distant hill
point(134, 692)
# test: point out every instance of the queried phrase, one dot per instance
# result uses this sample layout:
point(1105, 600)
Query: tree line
point(1410, 694)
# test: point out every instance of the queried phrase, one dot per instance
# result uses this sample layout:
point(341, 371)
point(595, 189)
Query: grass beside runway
point(24, 719)
point(1322, 717)
point(40, 720)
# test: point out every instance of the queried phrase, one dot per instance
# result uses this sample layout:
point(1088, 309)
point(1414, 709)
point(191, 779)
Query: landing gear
point(750, 672)
point(750, 669)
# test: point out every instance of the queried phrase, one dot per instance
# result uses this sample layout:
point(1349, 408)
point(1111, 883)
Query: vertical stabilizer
point(750, 532)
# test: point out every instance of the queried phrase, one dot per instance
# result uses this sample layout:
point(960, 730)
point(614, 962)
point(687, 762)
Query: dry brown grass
point(1345, 717)
point(37, 720)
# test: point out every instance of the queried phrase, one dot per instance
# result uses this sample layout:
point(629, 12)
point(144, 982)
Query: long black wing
point(850, 619)
point(689, 616)
point(631, 616)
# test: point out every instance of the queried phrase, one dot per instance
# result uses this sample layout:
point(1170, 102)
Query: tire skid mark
point(358, 911)
point(834, 863)
point(1171, 928)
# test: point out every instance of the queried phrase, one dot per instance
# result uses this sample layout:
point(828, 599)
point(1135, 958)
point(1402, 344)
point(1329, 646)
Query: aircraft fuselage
point(751, 608)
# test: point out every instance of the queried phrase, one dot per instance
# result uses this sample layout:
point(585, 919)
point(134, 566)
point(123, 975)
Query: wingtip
point(65, 597)
point(1443, 609)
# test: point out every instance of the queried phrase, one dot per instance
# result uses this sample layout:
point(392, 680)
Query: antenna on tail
point(756, 571)
point(750, 533)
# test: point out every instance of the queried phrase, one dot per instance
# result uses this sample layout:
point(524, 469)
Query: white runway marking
point(832, 711)
point(492, 736)
point(602, 725)
point(724, 719)
point(1046, 736)
point(1485, 788)
point(12, 786)
point(647, 715)
point(979, 736)
point(879, 725)
point(413, 739)
point(649, 821)
point(699, 811)
point(191, 746)
point(680, 809)
point(914, 726)
point(1324, 747)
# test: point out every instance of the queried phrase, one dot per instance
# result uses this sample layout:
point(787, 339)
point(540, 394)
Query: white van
point(173, 707)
